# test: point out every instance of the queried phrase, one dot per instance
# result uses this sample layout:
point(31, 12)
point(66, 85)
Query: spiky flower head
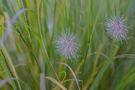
point(67, 45)
point(117, 28)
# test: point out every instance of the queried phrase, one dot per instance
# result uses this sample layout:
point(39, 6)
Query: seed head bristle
point(117, 28)
point(67, 46)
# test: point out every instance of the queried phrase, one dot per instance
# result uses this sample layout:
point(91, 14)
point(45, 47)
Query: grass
point(29, 59)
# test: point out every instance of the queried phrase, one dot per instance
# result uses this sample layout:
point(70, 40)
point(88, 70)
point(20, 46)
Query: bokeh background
point(29, 59)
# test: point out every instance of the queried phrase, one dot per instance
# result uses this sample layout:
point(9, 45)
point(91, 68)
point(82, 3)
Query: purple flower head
point(117, 28)
point(67, 46)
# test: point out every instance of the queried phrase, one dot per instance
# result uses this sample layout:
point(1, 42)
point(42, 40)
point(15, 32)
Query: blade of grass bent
point(56, 82)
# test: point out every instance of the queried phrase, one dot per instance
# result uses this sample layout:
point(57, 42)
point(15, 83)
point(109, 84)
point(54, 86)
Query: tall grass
point(29, 59)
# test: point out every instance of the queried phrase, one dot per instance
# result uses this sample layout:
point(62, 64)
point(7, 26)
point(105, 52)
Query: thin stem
point(10, 64)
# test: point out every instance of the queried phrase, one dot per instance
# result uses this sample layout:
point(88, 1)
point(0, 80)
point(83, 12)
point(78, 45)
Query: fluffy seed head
point(117, 28)
point(67, 46)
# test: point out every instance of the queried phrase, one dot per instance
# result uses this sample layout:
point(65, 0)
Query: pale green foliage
point(29, 59)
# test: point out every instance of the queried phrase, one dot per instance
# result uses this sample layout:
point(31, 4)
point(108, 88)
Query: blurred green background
point(29, 60)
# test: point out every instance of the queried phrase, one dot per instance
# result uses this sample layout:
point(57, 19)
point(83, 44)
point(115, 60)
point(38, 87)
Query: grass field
point(67, 45)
